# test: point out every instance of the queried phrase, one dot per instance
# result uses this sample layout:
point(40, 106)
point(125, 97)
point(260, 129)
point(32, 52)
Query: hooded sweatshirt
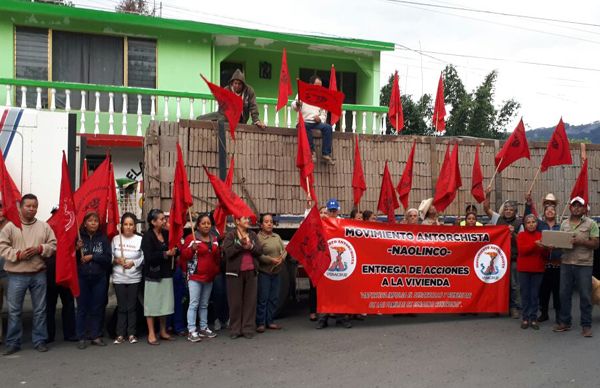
point(98, 246)
point(248, 98)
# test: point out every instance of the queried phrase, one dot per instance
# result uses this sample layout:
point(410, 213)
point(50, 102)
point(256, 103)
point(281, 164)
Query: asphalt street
point(382, 351)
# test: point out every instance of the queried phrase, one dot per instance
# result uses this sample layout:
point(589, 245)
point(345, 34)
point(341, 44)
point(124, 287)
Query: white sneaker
point(194, 337)
point(207, 333)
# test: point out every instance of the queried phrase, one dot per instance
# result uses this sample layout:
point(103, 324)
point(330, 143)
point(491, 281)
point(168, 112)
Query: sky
point(552, 68)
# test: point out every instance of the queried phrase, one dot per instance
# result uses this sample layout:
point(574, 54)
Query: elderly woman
point(411, 217)
point(241, 250)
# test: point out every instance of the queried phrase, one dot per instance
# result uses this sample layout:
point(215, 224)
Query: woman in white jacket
point(127, 277)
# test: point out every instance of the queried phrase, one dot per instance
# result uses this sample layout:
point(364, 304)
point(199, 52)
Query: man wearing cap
point(333, 208)
point(551, 280)
point(576, 267)
point(508, 216)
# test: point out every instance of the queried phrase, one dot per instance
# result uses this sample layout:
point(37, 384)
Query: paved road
point(423, 351)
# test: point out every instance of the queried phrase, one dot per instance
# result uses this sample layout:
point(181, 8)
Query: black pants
point(312, 299)
point(53, 292)
point(550, 286)
point(127, 296)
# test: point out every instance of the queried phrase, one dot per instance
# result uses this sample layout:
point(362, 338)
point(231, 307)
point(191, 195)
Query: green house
point(118, 71)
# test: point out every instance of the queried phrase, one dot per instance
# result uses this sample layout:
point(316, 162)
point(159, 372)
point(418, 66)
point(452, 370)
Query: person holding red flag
point(25, 252)
point(316, 118)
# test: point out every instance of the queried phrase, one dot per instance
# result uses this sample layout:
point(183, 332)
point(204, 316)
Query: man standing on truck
point(237, 84)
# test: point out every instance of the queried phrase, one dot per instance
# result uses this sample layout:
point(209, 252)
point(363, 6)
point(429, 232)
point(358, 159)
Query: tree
point(134, 6)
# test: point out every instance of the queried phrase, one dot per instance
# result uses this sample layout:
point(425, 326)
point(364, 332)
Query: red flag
point(449, 180)
point(220, 214)
point(359, 186)
point(477, 179)
point(10, 196)
point(182, 200)
point(285, 84)
point(309, 247)
point(231, 203)
point(515, 148)
point(580, 189)
point(229, 103)
point(93, 194)
point(322, 97)
point(65, 229)
point(405, 184)
point(112, 207)
point(439, 110)
point(304, 161)
point(333, 88)
point(388, 202)
point(557, 151)
point(395, 114)
point(84, 172)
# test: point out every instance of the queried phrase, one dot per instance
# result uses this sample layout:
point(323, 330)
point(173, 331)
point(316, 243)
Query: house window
point(31, 59)
point(141, 70)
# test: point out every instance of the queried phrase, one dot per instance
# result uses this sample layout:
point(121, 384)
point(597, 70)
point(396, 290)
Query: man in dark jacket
point(238, 85)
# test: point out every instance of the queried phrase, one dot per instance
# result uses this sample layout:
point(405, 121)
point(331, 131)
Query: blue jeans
point(219, 298)
point(199, 297)
point(530, 283)
point(90, 305)
point(179, 292)
point(578, 276)
point(17, 287)
point(515, 295)
point(268, 298)
point(326, 133)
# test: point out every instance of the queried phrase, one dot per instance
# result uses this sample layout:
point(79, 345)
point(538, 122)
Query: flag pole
point(534, 179)
point(308, 196)
point(495, 172)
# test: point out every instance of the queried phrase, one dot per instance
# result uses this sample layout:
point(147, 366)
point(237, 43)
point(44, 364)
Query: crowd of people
point(239, 273)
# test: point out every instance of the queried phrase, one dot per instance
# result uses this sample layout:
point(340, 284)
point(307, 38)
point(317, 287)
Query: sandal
point(154, 343)
point(168, 338)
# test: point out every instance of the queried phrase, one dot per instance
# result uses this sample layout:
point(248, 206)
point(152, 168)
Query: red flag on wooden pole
point(229, 103)
point(557, 151)
point(388, 202)
point(405, 184)
point(477, 179)
point(322, 97)
point(515, 148)
point(395, 114)
point(220, 215)
point(439, 109)
point(333, 88)
point(449, 180)
point(231, 203)
point(84, 172)
point(309, 247)
point(65, 228)
point(304, 161)
point(359, 185)
point(181, 201)
point(580, 189)
point(285, 84)
point(10, 195)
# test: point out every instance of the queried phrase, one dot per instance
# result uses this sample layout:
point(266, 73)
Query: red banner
point(380, 268)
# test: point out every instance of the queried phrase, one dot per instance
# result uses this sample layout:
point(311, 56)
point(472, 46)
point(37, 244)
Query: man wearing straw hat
point(507, 215)
point(576, 267)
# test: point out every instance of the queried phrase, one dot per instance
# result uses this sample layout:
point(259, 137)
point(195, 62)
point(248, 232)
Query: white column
point(289, 116)
point(266, 115)
point(203, 106)
point(178, 108)
point(38, 98)
point(166, 109)
point(191, 109)
point(124, 114)
point(343, 118)
point(83, 93)
point(374, 123)
point(353, 122)
point(364, 122)
point(23, 97)
point(277, 118)
point(383, 123)
point(152, 107)
point(111, 114)
point(97, 114)
point(138, 131)
point(67, 100)
point(52, 99)
point(8, 101)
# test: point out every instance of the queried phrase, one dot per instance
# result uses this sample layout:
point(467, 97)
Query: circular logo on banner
point(490, 263)
point(343, 259)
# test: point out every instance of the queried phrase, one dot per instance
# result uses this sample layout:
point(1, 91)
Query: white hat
point(424, 207)
point(577, 199)
point(550, 198)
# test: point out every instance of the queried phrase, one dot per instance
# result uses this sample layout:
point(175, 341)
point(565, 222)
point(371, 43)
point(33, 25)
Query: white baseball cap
point(577, 199)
